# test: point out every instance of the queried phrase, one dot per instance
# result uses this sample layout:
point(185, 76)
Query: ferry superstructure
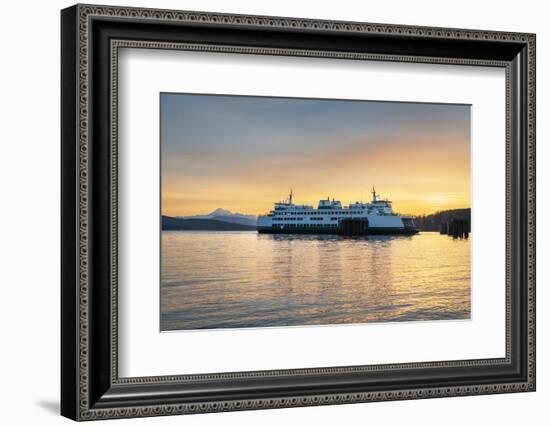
point(330, 217)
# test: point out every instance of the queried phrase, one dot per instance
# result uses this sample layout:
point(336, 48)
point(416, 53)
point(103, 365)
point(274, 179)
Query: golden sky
point(245, 153)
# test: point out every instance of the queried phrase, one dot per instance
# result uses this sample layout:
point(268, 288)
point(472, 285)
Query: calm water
point(244, 279)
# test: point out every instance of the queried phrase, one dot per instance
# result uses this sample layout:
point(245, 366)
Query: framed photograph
point(263, 212)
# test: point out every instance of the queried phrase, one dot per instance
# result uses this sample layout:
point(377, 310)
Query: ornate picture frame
point(91, 37)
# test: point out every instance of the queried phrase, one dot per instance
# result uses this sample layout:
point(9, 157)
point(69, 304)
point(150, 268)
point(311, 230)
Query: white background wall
point(29, 213)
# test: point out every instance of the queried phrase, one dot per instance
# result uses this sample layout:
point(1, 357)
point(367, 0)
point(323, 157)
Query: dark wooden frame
point(90, 386)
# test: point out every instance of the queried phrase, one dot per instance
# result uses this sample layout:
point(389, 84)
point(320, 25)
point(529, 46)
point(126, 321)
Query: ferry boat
point(330, 217)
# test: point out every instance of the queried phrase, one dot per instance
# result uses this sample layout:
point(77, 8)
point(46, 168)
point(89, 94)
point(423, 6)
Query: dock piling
point(457, 228)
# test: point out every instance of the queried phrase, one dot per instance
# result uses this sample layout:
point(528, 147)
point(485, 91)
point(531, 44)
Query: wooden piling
point(458, 228)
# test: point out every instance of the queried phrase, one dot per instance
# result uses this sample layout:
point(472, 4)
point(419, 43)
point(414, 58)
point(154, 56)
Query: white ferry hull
point(319, 230)
point(377, 225)
point(374, 218)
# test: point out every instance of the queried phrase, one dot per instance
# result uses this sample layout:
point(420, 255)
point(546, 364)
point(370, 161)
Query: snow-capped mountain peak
point(222, 212)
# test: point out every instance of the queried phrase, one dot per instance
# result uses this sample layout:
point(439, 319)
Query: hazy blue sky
point(244, 153)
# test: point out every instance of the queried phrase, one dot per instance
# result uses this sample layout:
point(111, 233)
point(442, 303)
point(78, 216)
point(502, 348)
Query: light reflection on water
point(245, 279)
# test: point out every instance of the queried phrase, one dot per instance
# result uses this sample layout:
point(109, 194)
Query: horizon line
point(254, 214)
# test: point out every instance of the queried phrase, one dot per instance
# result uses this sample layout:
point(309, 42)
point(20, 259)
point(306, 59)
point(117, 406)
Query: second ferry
point(330, 217)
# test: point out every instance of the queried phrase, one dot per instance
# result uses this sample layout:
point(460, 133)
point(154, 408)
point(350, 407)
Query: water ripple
point(243, 279)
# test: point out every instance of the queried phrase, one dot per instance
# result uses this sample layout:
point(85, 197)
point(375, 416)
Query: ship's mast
point(290, 197)
point(373, 194)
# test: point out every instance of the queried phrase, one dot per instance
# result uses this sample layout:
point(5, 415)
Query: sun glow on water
point(244, 279)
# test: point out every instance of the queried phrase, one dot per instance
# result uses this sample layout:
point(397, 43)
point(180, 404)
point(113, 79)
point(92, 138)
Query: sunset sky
point(244, 153)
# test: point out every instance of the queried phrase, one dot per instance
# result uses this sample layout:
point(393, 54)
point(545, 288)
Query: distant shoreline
point(425, 223)
point(179, 224)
